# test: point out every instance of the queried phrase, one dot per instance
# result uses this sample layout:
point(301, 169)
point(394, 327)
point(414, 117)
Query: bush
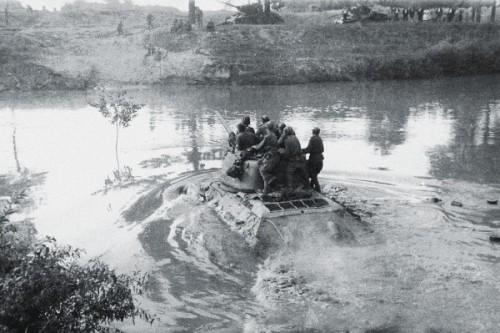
point(44, 289)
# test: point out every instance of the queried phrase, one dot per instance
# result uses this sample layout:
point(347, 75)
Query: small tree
point(120, 112)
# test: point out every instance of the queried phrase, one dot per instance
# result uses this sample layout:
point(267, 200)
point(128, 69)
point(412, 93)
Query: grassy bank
point(308, 50)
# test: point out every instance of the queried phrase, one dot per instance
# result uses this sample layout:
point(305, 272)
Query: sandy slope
point(114, 59)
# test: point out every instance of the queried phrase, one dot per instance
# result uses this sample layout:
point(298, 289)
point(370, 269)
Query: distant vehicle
point(362, 13)
point(253, 14)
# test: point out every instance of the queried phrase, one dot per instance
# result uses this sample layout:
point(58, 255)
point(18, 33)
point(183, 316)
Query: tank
point(267, 219)
point(253, 14)
point(363, 13)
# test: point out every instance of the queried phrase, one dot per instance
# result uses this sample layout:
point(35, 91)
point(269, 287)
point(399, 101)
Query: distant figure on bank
point(420, 14)
point(411, 11)
point(405, 14)
point(198, 13)
point(180, 26)
point(315, 162)
point(450, 15)
point(151, 49)
point(460, 15)
point(175, 26)
point(439, 14)
point(210, 26)
point(150, 18)
point(120, 28)
point(345, 14)
point(395, 13)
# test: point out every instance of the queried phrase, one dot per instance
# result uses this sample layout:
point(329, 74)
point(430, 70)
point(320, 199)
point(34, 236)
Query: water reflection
point(443, 128)
point(473, 154)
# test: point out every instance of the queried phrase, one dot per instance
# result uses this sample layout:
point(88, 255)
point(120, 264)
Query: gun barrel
point(223, 122)
point(227, 3)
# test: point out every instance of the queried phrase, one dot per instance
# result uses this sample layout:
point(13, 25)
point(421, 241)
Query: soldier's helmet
point(289, 130)
point(316, 130)
point(246, 120)
point(241, 128)
point(282, 126)
point(272, 126)
point(265, 119)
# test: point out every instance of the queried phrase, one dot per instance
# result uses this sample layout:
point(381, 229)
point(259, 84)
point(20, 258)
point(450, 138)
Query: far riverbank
point(306, 48)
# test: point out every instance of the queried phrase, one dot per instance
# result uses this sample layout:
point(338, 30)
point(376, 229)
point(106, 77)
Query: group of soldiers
point(276, 145)
point(425, 14)
point(181, 25)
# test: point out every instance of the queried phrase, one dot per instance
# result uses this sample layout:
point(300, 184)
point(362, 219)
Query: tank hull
point(271, 222)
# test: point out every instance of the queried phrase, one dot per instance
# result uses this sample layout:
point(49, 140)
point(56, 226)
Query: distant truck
point(253, 14)
point(360, 14)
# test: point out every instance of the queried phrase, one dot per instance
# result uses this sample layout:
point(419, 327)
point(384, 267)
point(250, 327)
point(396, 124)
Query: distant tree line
point(304, 5)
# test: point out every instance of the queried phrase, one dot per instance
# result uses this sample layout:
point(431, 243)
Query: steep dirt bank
point(22, 65)
point(307, 48)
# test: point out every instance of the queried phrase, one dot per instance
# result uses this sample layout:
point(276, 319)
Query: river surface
point(426, 267)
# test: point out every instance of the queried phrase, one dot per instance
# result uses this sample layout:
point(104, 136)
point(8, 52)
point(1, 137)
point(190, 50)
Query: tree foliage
point(120, 111)
point(117, 107)
point(43, 288)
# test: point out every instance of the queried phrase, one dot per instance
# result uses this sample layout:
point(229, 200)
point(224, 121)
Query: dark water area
point(426, 267)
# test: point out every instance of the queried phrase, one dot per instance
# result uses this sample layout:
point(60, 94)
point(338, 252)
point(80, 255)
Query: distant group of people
point(425, 14)
point(276, 145)
point(180, 25)
point(177, 25)
point(412, 13)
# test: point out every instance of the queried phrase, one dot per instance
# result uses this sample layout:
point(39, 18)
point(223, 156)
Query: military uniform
point(245, 140)
point(315, 163)
point(294, 159)
point(271, 158)
point(262, 130)
point(120, 28)
point(249, 129)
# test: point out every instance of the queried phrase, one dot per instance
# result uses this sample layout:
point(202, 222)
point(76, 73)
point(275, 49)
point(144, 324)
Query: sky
point(181, 4)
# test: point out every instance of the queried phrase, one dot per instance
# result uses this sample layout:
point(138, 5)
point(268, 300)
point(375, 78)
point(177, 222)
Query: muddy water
point(426, 267)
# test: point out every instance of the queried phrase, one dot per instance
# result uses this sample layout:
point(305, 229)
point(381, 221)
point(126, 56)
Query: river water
point(425, 267)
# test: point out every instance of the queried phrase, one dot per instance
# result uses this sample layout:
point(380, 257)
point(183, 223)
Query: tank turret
point(250, 181)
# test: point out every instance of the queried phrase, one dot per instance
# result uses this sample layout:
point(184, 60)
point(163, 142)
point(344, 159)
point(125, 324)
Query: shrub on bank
point(44, 289)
